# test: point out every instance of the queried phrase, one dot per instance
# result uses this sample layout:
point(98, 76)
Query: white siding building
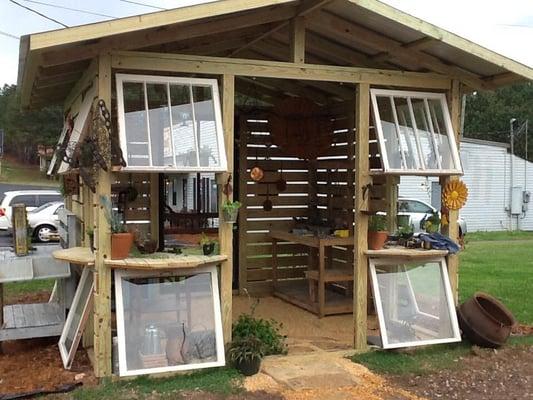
point(487, 167)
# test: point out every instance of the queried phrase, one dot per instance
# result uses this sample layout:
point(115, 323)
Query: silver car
point(44, 221)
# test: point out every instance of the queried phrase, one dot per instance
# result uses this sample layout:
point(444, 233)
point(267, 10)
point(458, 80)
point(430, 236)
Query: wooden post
point(452, 229)
point(154, 208)
point(20, 229)
point(102, 290)
point(362, 179)
point(1, 309)
point(225, 230)
point(297, 40)
point(391, 198)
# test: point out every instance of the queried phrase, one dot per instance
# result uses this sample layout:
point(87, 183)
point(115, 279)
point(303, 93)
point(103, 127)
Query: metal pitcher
point(152, 340)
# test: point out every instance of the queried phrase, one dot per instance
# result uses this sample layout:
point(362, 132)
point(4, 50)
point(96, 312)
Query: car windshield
point(41, 208)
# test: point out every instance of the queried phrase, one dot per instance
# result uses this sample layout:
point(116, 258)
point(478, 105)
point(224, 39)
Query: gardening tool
point(267, 204)
point(281, 184)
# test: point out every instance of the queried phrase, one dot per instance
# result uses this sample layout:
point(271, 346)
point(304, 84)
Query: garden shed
point(305, 111)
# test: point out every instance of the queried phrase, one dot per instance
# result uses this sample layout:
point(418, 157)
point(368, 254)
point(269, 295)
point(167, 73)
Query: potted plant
point(377, 231)
point(431, 223)
point(121, 239)
point(246, 354)
point(208, 245)
point(230, 210)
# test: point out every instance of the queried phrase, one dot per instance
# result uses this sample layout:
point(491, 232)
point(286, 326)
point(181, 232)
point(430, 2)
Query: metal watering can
point(152, 340)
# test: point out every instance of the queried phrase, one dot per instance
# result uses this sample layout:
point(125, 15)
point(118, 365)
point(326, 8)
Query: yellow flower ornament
point(454, 195)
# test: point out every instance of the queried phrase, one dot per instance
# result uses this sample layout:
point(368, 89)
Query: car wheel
point(42, 233)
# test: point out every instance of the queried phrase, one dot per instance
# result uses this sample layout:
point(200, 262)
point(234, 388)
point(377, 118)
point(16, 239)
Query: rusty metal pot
point(485, 321)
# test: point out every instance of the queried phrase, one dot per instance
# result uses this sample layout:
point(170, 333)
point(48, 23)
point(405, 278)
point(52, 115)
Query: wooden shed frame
point(60, 66)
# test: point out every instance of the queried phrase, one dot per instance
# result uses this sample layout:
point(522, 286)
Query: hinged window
point(415, 133)
point(170, 123)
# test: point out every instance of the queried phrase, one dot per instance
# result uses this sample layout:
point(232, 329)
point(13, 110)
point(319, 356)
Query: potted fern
point(246, 354)
point(121, 239)
point(230, 210)
point(377, 231)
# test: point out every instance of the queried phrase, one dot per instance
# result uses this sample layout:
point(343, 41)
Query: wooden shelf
point(75, 255)
point(311, 240)
point(332, 275)
point(403, 252)
point(170, 262)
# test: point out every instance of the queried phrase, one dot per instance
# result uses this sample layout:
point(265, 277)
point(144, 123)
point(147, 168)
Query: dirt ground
point(505, 374)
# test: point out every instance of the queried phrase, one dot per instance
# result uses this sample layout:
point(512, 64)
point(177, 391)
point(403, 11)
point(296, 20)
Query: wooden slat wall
point(137, 211)
point(326, 183)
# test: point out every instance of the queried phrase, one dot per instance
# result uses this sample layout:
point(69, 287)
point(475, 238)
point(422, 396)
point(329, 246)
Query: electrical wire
point(38, 13)
point(142, 4)
point(9, 35)
point(70, 9)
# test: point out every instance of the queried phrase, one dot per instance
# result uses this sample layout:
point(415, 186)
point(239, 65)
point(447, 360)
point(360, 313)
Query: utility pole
point(511, 131)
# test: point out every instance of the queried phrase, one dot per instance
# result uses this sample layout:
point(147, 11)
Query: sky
point(503, 26)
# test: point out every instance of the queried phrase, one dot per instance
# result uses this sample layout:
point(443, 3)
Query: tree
point(24, 130)
point(488, 114)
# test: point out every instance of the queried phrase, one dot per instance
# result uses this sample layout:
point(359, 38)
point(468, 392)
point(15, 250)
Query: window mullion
point(417, 137)
point(403, 120)
point(171, 126)
point(148, 123)
point(194, 128)
point(398, 133)
point(432, 132)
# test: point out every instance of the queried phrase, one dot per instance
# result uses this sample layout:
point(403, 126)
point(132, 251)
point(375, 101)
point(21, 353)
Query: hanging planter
point(230, 211)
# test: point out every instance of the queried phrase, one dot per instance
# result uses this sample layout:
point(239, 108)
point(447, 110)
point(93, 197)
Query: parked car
point(418, 210)
point(44, 221)
point(31, 198)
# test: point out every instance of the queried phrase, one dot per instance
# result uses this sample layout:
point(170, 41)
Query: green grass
point(221, 380)
point(504, 235)
point(17, 173)
point(425, 359)
point(15, 289)
point(503, 269)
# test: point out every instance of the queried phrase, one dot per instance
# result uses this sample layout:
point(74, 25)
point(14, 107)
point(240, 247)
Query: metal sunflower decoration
point(454, 195)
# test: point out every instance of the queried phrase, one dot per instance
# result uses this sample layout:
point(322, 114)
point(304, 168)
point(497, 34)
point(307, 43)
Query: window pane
point(182, 126)
point(409, 144)
point(136, 128)
point(28, 200)
point(443, 142)
point(168, 321)
point(414, 303)
point(424, 132)
point(159, 117)
point(390, 136)
point(204, 111)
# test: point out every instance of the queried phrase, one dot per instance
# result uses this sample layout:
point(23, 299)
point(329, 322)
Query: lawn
point(16, 173)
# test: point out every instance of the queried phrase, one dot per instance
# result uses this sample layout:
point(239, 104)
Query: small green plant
point(405, 231)
point(204, 239)
point(90, 231)
point(268, 332)
point(246, 349)
point(112, 216)
point(231, 206)
point(431, 224)
point(377, 223)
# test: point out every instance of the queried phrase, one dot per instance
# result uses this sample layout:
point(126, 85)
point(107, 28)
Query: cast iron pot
point(248, 367)
point(485, 321)
point(208, 248)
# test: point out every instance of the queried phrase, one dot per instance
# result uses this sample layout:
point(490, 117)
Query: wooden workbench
point(319, 277)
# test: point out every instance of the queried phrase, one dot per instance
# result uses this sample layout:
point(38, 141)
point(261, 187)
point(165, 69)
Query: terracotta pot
point(376, 240)
point(485, 321)
point(121, 245)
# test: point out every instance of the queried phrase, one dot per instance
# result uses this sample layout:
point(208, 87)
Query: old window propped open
point(414, 132)
point(170, 123)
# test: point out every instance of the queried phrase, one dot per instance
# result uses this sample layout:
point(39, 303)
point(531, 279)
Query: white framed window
point(414, 302)
point(168, 321)
point(170, 123)
point(415, 133)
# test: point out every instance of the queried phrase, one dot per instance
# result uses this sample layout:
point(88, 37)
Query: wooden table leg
point(274, 263)
point(1, 305)
point(321, 283)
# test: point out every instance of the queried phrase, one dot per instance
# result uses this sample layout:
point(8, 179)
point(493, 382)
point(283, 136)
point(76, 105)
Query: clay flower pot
point(121, 245)
point(376, 240)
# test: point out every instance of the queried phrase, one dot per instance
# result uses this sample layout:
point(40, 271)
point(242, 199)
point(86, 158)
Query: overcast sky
point(505, 26)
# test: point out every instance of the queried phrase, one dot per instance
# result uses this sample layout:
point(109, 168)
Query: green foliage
point(405, 231)
point(488, 113)
point(377, 223)
point(24, 130)
point(231, 206)
point(112, 216)
point(246, 349)
point(431, 224)
point(204, 239)
point(266, 331)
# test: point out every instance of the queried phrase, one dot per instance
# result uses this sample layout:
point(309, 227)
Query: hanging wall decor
point(300, 129)
point(454, 195)
point(257, 173)
point(71, 184)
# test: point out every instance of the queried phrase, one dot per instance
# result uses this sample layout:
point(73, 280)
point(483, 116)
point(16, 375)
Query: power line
point(9, 35)
point(38, 13)
point(142, 4)
point(70, 9)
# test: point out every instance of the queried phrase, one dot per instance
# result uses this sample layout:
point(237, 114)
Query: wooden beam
point(86, 80)
point(297, 40)
point(102, 287)
point(362, 179)
point(360, 34)
point(272, 69)
point(225, 230)
point(452, 229)
point(506, 78)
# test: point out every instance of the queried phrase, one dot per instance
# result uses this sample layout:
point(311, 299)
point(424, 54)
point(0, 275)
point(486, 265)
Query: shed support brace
point(362, 179)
